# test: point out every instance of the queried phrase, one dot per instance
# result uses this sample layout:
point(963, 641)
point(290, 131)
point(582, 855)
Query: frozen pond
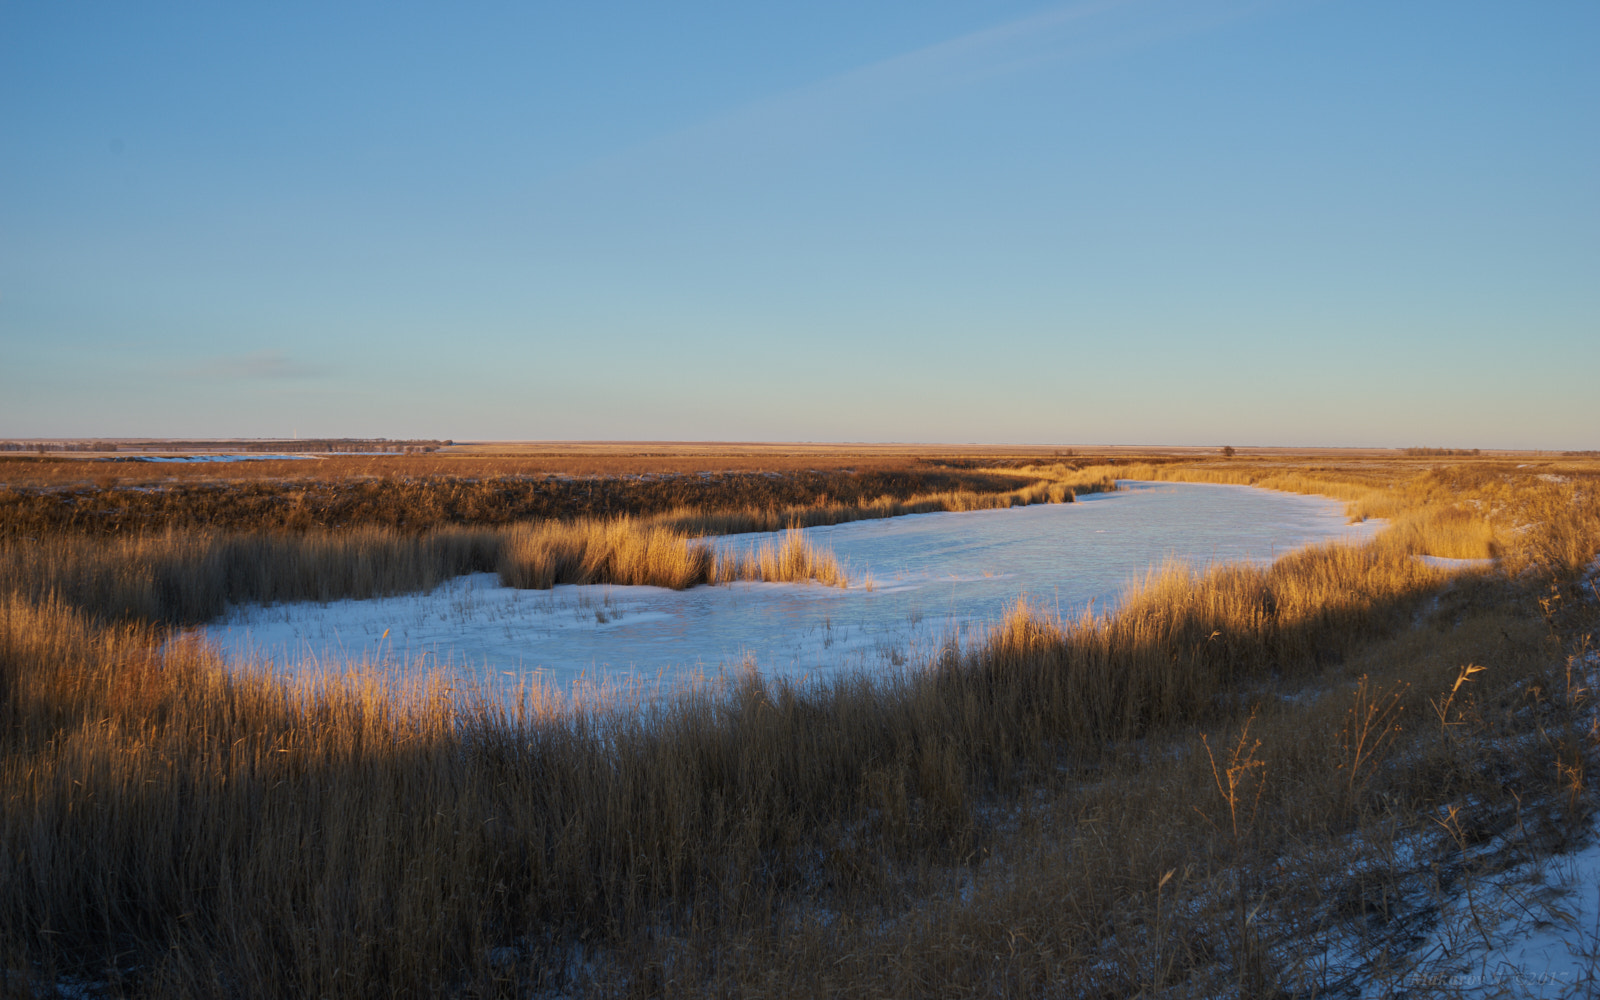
point(933, 576)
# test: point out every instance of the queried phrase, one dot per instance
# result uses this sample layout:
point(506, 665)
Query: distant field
point(478, 460)
point(61, 470)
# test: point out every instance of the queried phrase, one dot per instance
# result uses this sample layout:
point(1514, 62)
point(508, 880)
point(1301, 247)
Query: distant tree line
point(41, 447)
point(1441, 452)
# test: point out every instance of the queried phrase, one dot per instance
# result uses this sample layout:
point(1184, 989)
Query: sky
point(1110, 222)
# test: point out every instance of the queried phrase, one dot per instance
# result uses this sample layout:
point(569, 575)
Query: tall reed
point(180, 577)
point(624, 551)
point(185, 578)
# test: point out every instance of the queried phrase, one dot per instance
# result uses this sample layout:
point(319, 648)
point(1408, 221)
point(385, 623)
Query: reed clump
point(624, 551)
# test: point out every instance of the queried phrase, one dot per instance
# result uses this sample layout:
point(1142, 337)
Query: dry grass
point(1187, 795)
point(432, 826)
point(567, 460)
point(1533, 514)
point(418, 502)
point(623, 551)
point(1051, 485)
point(185, 578)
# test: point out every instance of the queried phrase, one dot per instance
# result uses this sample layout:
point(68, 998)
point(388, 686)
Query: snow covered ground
point(1533, 931)
point(932, 577)
point(1502, 918)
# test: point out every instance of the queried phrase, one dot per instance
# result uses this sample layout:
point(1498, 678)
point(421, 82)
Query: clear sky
point(1200, 222)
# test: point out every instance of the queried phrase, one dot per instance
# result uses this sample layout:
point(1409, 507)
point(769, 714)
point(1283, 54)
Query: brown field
point(489, 460)
point(1190, 795)
point(41, 496)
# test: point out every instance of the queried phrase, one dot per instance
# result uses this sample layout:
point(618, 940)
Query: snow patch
point(1454, 565)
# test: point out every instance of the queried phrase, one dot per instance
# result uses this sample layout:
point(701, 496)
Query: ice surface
point(934, 577)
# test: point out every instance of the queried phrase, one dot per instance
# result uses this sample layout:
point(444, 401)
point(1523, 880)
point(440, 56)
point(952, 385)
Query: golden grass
point(189, 577)
point(1465, 510)
point(185, 578)
point(526, 461)
point(745, 501)
point(1057, 485)
point(625, 551)
point(1036, 813)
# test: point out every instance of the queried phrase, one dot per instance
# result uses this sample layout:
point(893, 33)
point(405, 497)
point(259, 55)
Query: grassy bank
point(1057, 485)
point(1463, 510)
point(300, 499)
point(1107, 805)
point(540, 556)
point(190, 576)
point(186, 578)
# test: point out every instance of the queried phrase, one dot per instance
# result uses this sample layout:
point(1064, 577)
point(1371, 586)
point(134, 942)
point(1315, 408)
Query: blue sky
point(1336, 223)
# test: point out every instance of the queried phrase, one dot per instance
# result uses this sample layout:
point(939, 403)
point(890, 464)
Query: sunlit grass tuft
point(628, 552)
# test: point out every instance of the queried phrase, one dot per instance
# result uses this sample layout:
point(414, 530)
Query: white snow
point(1532, 930)
point(934, 577)
point(1440, 562)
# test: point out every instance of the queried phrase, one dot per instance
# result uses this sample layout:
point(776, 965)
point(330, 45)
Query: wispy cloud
point(951, 63)
point(257, 365)
point(1066, 32)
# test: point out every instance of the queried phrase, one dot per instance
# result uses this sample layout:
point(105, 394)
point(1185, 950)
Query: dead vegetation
point(567, 462)
point(185, 578)
point(1244, 782)
point(420, 500)
point(620, 551)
